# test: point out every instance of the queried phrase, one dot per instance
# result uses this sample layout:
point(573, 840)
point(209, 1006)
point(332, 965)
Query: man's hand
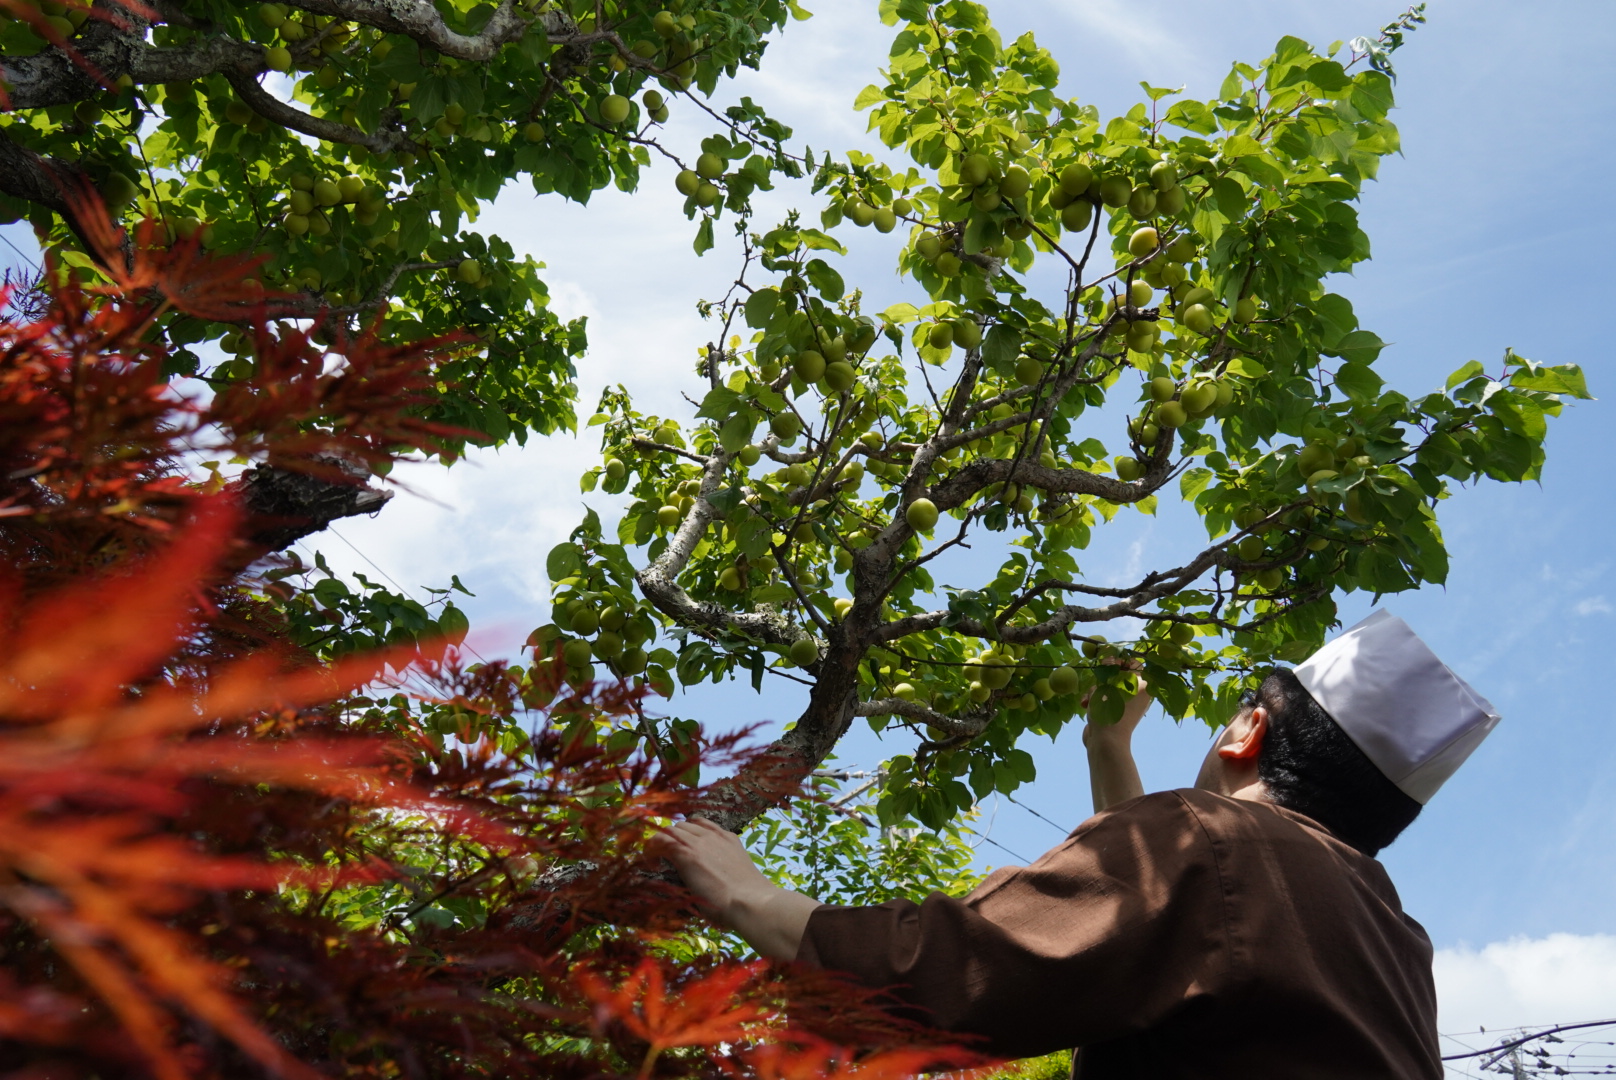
point(713, 864)
point(1113, 776)
point(1121, 731)
point(719, 871)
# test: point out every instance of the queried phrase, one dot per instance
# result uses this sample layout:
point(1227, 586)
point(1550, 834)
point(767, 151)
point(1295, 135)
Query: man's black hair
point(1309, 765)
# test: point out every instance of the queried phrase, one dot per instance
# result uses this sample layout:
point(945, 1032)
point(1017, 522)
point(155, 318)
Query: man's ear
point(1246, 735)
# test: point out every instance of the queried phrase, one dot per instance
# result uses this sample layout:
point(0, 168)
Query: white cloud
point(1145, 42)
point(1594, 605)
point(1524, 982)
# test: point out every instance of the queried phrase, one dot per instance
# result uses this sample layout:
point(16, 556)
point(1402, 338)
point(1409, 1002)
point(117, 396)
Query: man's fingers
point(673, 839)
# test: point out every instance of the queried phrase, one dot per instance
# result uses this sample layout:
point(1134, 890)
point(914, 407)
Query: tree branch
point(385, 139)
point(106, 46)
point(420, 19)
point(44, 182)
point(285, 506)
point(659, 581)
point(968, 726)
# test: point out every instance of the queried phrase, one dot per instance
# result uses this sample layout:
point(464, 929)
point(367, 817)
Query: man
point(1241, 928)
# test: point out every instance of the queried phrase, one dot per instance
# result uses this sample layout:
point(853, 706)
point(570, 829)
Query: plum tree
point(352, 143)
point(1248, 390)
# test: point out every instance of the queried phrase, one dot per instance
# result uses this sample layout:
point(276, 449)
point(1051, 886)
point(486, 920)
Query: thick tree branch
point(26, 175)
point(420, 19)
point(106, 46)
point(967, 726)
point(285, 506)
point(659, 581)
point(1153, 588)
point(113, 44)
point(385, 139)
point(44, 182)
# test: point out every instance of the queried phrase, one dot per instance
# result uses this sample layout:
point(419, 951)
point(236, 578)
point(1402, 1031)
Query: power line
point(1063, 830)
point(984, 838)
point(1504, 1047)
point(332, 529)
point(26, 257)
point(1019, 858)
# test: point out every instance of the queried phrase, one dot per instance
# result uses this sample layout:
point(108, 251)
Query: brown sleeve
point(1101, 937)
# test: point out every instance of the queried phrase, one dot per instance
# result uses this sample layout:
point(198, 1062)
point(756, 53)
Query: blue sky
point(1493, 229)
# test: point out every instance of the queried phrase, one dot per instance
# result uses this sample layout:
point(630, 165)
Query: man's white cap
point(1407, 711)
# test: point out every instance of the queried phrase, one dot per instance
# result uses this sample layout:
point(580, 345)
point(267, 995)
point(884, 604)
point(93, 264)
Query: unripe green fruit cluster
point(985, 183)
point(864, 210)
point(698, 182)
point(1173, 409)
point(677, 49)
point(940, 252)
point(945, 334)
point(618, 631)
point(308, 196)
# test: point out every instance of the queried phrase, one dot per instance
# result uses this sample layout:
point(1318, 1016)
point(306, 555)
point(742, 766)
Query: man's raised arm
point(1113, 776)
point(718, 869)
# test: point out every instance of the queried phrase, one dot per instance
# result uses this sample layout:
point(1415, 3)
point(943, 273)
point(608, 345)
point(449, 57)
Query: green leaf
point(1001, 346)
point(1233, 85)
point(1230, 196)
point(1358, 381)
point(1156, 93)
point(768, 398)
point(725, 500)
point(753, 538)
point(1246, 368)
point(773, 594)
point(1360, 347)
point(1562, 379)
point(1192, 116)
point(739, 427)
point(825, 279)
point(1521, 415)
point(719, 403)
point(704, 237)
point(1291, 49)
point(1465, 374)
point(868, 96)
point(814, 240)
point(1239, 146)
point(562, 561)
point(760, 306)
point(1021, 765)
point(1328, 76)
point(330, 592)
point(1124, 132)
point(1193, 482)
point(1335, 311)
point(1372, 95)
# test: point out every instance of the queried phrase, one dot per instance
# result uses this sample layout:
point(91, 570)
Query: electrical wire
point(1063, 830)
point(26, 258)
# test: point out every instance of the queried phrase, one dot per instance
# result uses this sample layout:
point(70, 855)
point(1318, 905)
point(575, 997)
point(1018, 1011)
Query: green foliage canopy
point(353, 143)
point(1195, 351)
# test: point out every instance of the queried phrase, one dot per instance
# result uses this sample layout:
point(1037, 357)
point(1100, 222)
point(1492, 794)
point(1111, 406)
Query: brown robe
point(1182, 934)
